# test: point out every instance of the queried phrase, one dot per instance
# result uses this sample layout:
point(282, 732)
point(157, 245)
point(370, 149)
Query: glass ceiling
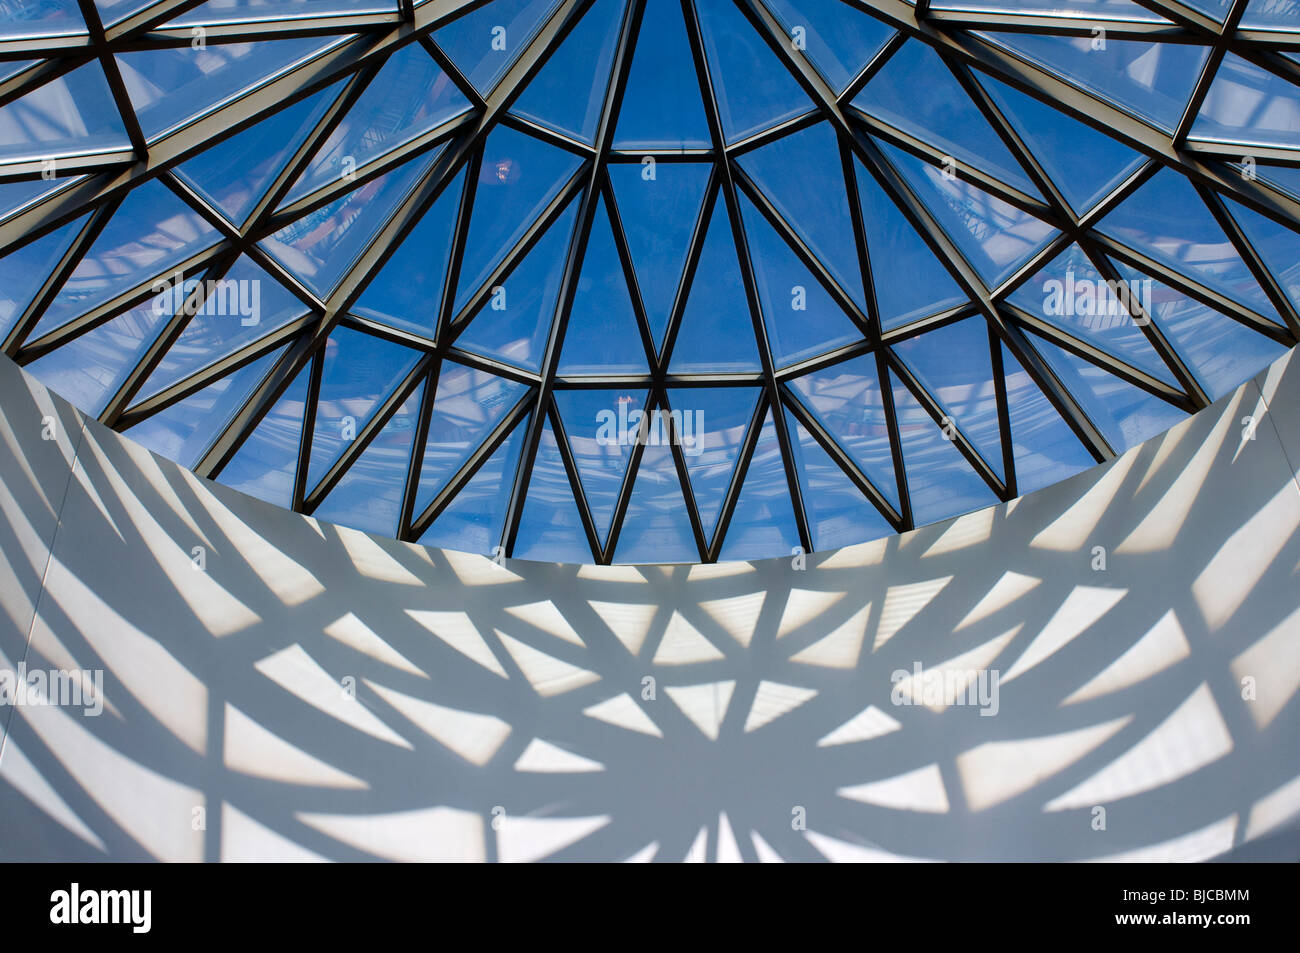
point(646, 280)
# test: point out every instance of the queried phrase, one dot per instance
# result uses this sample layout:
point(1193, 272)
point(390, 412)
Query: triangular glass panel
point(369, 495)
point(184, 430)
point(1152, 81)
point(802, 319)
point(1045, 449)
point(22, 272)
point(716, 310)
point(319, 247)
point(847, 401)
point(235, 173)
point(763, 522)
point(838, 38)
point(658, 206)
point(1277, 245)
point(519, 177)
point(939, 112)
point(245, 304)
point(171, 85)
point(602, 336)
point(51, 18)
point(940, 481)
point(1069, 293)
point(801, 198)
point(407, 291)
point(267, 461)
point(754, 89)
point(484, 42)
point(1101, 9)
point(661, 106)
point(953, 364)
point(550, 527)
point(513, 325)
point(716, 420)
point(149, 233)
point(409, 97)
point(219, 11)
point(467, 407)
point(1270, 15)
point(838, 513)
point(472, 522)
point(1166, 220)
point(569, 91)
point(912, 282)
point(1125, 414)
point(1247, 105)
point(72, 115)
point(994, 236)
point(1082, 162)
point(656, 528)
point(1221, 352)
point(602, 427)
point(15, 196)
point(359, 373)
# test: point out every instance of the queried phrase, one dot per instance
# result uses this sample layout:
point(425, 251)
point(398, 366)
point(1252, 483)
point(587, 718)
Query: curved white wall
point(313, 692)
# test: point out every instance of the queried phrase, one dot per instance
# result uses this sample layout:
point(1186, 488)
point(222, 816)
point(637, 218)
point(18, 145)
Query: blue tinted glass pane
point(359, 373)
point(319, 247)
point(410, 96)
point(369, 496)
point(110, 11)
point(1272, 14)
point(602, 335)
point(169, 86)
point(802, 199)
point(1125, 414)
point(467, 407)
point(838, 38)
point(183, 431)
point(1084, 164)
point(519, 176)
point(846, 400)
point(17, 195)
point(47, 18)
point(550, 528)
point(938, 111)
point(89, 369)
point(22, 272)
point(149, 233)
point(953, 364)
point(569, 91)
point(71, 115)
point(1277, 245)
point(662, 108)
point(218, 11)
point(1221, 352)
point(659, 206)
point(838, 513)
point(763, 522)
point(242, 306)
point(1288, 178)
point(911, 281)
point(484, 42)
point(1246, 104)
point(755, 91)
point(407, 292)
point(1106, 9)
point(1150, 80)
point(265, 464)
point(802, 319)
point(1071, 294)
point(602, 427)
point(472, 522)
point(515, 322)
point(716, 419)
point(235, 173)
point(995, 237)
point(717, 333)
point(1046, 449)
point(1167, 220)
point(656, 528)
point(1214, 8)
point(940, 482)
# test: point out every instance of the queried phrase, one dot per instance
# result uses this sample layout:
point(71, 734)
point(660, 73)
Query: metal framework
point(95, 184)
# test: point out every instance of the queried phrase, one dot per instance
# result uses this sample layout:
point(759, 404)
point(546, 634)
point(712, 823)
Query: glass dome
point(646, 280)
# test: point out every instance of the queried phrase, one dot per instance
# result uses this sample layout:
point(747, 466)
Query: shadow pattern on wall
point(279, 688)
